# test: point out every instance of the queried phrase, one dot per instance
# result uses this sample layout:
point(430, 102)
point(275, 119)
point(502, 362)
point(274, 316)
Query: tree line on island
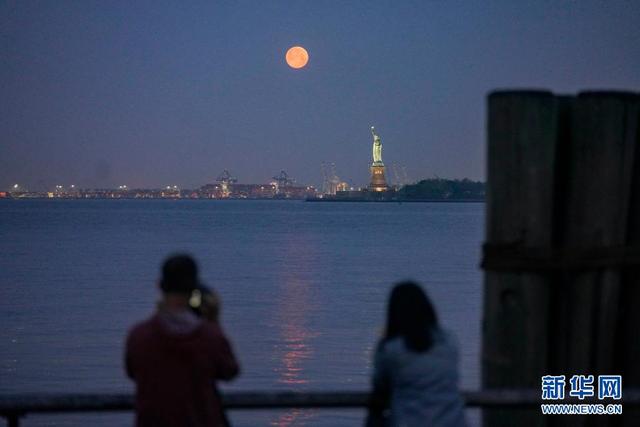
point(443, 189)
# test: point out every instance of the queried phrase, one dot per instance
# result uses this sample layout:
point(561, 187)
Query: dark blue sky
point(154, 93)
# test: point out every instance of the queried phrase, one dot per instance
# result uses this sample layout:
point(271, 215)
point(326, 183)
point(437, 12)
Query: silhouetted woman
point(415, 366)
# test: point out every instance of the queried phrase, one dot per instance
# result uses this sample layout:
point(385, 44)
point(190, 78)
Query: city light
point(225, 188)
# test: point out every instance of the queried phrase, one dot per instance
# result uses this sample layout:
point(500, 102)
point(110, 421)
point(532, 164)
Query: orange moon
point(297, 57)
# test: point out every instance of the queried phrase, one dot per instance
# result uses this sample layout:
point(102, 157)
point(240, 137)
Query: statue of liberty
point(377, 148)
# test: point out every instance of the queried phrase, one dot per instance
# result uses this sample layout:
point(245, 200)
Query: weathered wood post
point(522, 131)
point(627, 348)
point(563, 277)
point(594, 213)
point(599, 171)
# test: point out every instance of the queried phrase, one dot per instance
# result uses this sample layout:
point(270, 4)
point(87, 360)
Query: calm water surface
point(304, 287)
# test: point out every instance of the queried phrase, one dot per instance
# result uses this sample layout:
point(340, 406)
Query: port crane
point(400, 175)
point(283, 180)
point(330, 180)
point(226, 178)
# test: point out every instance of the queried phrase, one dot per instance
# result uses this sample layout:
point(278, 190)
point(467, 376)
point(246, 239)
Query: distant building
point(252, 191)
point(213, 191)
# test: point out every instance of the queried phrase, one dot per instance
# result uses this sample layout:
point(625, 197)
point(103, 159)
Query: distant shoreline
point(345, 200)
point(312, 200)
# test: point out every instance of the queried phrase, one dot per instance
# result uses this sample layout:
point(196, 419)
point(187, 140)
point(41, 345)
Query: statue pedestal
point(378, 180)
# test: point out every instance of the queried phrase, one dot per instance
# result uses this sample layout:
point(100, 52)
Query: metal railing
point(14, 407)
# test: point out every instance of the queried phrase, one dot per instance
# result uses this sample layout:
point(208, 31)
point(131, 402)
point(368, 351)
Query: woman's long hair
point(411, 316)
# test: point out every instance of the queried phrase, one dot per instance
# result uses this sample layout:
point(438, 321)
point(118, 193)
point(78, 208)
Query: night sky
point(154, 93)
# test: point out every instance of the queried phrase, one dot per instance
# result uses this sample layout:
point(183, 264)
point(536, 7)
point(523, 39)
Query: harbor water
point(304, 287)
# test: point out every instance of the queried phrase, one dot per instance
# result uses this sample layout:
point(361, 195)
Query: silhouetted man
point(175, 356)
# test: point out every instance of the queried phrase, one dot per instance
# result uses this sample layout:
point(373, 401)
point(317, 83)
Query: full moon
point(297, 57)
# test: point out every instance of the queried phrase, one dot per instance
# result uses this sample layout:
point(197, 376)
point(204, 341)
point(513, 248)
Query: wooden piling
point(562, 285)
point(522, 132)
